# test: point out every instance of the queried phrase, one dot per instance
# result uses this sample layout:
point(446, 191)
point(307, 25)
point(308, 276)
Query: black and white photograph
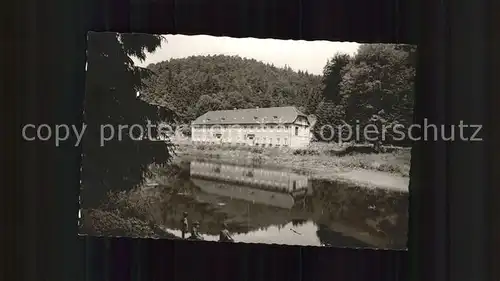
point(247, 140)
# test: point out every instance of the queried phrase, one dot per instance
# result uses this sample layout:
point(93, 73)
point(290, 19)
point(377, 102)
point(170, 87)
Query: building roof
point(270, 115)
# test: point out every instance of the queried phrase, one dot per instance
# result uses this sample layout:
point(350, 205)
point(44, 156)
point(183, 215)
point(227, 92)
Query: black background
point(452, 184)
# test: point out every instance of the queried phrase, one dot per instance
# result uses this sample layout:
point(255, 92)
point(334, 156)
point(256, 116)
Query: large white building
point(267, 127)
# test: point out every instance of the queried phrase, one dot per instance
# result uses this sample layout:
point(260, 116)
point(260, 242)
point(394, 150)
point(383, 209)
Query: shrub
point(125, 214)
point(257, 150)
point(305, 152)
point(257, 160)
point(386, 167)
point(113, 223)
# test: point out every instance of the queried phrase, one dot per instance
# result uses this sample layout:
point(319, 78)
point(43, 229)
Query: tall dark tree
point(379, 85)
point(207, 103)
point(381, 77)
point(332, 76)
point(111, 100)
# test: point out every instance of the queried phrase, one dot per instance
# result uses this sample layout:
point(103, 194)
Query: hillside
point(193, 85)
point(375, 86)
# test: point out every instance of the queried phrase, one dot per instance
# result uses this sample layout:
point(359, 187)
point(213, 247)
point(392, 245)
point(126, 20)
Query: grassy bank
point(326, 156)
point(123, 215)
point(325, 161)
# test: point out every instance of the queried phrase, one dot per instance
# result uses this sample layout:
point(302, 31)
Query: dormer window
point(275, 117)
point(255, 117)
point(223, 118)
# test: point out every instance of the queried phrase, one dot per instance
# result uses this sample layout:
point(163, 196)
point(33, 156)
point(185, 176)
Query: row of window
point(245, 144)
point(257, 140)
point(296, 131)
point(254, 118)
point(241, 126)
point(270, 140)
point(269, 127)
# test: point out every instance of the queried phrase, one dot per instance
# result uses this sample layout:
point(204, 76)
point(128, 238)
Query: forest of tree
point(376, 86)
point(194, 85)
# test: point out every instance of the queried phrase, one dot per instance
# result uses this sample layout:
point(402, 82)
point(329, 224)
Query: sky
point(310, 56)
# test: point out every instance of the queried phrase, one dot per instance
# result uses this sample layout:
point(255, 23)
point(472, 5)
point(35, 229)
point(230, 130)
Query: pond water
point(262, 205)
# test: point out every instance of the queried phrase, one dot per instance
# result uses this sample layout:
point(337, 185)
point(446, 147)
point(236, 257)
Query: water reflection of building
point(275, 188)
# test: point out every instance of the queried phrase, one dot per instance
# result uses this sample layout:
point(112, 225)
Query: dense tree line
point(375, 86)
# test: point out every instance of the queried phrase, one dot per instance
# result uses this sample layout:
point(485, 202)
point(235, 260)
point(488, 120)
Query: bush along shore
point(357, 165)
point(123, 215)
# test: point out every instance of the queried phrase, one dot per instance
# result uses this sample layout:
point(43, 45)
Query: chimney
point(256, 107)
point(235, 108)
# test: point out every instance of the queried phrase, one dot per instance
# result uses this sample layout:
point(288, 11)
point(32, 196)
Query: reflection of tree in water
point(378, 212)
point(112, 82)
point(303, 204)
point(298, 222)
point(328, 237)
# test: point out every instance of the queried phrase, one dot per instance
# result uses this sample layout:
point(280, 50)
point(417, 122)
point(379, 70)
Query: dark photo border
point(451, 187)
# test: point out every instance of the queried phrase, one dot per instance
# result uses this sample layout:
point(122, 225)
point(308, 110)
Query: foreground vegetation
point(123, 215)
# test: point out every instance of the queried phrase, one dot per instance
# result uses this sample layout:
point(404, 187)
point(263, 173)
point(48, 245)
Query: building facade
point(265, 127)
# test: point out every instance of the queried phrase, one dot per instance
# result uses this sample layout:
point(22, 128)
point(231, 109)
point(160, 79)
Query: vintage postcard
point(247, 140)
